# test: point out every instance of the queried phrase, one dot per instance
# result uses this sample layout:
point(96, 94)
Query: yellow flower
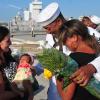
point(47, 74)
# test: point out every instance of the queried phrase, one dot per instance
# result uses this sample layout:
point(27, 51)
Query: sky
point(69, 8)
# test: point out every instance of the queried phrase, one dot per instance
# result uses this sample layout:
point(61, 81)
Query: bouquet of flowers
point(63, 67)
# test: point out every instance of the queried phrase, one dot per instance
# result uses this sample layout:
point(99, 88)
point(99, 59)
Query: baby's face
point(24, 59)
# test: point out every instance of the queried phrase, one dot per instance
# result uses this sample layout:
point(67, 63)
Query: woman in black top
point(82, 59)
point(85, 48)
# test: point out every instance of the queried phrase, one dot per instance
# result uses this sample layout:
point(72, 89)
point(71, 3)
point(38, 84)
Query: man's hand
point(83, 75)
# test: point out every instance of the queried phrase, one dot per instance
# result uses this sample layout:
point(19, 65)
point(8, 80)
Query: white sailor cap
point(48, 14)
point(95, 19)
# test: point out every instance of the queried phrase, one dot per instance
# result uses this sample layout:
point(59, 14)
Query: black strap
point(57, 44)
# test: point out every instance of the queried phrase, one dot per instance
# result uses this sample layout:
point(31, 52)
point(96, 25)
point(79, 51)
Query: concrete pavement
point(41, 94)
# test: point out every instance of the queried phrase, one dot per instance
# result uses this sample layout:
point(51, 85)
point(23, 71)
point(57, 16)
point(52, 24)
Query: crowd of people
point(78, 38)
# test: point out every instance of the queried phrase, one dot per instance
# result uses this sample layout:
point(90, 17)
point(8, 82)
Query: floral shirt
point(24, 73)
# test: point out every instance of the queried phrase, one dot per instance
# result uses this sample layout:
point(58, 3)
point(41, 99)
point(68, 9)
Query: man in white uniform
point(92, 25)
point(95, 22)
point(49, 41)
point(51, 19)
point(48, 15)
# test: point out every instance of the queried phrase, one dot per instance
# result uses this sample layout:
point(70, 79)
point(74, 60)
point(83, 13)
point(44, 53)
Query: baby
point(23, 79)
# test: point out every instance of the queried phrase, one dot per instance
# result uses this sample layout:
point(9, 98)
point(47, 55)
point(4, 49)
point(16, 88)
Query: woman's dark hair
point(76, 27)
point(4, 31)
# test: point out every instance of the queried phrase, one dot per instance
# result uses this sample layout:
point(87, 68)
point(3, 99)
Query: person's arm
point(68, 92)
point(96, 64)
point(16, 89)
point(28, 87)
point(1, 83)
point(5, 95)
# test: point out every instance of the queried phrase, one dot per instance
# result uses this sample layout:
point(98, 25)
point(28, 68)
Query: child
point(23, 78)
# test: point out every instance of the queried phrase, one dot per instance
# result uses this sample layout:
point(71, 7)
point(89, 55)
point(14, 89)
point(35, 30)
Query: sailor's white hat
point(95, 19)
point(48, 14)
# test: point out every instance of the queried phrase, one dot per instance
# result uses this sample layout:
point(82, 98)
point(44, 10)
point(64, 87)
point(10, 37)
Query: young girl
point(84, 49)
point(24, 78)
